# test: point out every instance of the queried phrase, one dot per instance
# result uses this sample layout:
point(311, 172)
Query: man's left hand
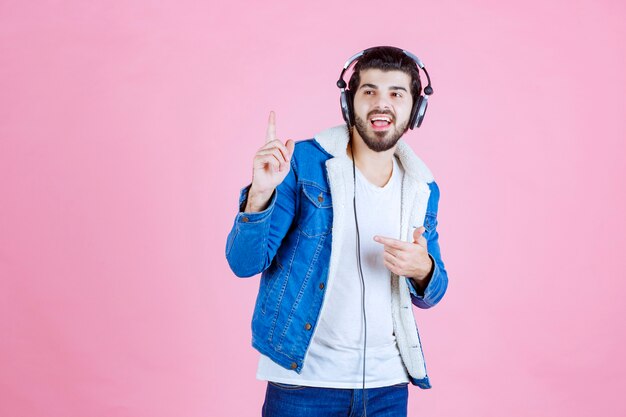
point(406, 258)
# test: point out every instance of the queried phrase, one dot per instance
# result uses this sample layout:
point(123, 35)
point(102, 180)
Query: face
point(382, 107)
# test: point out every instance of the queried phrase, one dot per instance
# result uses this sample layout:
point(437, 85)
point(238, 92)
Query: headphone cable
point(358, 252)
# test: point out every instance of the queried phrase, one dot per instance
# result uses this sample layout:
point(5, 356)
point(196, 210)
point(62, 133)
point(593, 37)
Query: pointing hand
point(406, 258)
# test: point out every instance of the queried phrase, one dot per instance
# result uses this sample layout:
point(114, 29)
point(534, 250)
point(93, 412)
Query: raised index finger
point(271, 128)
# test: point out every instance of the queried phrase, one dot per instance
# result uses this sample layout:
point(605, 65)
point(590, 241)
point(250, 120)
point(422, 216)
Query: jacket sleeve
point(255, 237)
point(438, 283)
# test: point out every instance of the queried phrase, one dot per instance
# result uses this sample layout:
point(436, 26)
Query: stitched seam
point(231, 242)
point(313, 184)
point(282, 292)
point(277, 277)
point(296, 303)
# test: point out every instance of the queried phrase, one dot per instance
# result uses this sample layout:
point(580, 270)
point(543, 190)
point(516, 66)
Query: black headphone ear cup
point(421, 111)
point(414, 111)
point(347, 107)
point(350, 107)
point(418, 112)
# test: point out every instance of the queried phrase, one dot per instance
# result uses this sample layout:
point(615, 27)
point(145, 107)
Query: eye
point(368, 92)
point(396, 94)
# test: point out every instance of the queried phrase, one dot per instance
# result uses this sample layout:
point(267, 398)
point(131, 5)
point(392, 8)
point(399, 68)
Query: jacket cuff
point(432, 294)
point(253, 217)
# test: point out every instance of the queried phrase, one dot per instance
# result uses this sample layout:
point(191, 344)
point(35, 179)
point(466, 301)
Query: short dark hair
point(387, 58)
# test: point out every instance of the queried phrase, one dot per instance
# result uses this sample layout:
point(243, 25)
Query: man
point(343, 229)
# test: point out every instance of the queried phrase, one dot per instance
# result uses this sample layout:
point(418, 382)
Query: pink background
point(127, 130)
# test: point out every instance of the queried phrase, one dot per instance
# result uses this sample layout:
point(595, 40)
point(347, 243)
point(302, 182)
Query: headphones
point(419, 106)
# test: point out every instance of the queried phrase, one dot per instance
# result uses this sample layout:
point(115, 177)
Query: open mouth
point(381, 121)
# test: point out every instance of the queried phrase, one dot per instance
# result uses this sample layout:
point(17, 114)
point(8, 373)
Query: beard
point(380, 141)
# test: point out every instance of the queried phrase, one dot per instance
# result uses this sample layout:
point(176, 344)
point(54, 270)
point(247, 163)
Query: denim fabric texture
point(291, 243)
point(282, 400)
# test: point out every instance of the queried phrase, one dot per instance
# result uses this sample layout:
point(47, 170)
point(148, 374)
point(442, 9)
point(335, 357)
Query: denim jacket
point(296, 241)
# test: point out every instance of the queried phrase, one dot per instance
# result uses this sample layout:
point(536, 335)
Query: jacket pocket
point(316, 212)
point(287, 387)
point(430, 222)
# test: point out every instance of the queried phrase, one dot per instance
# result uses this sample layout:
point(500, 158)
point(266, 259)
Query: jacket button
point(307, 326)
point(244, 219)
point(321, 286)
point(320, 198)
point(294, 365)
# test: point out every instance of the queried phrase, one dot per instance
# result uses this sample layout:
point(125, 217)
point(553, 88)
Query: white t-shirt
point(335, 355)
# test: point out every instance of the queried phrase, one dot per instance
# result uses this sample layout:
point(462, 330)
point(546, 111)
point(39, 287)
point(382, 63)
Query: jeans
point(284, 400)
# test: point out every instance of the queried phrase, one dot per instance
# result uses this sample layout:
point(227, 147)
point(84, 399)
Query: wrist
point(420, 283)
point(257, 200)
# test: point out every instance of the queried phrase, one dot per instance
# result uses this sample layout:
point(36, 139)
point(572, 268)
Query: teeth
point(384, 119)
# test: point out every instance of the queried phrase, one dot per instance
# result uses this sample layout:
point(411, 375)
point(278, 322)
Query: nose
point(382, 102)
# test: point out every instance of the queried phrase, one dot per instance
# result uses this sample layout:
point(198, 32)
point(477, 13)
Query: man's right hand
point(270, 166)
